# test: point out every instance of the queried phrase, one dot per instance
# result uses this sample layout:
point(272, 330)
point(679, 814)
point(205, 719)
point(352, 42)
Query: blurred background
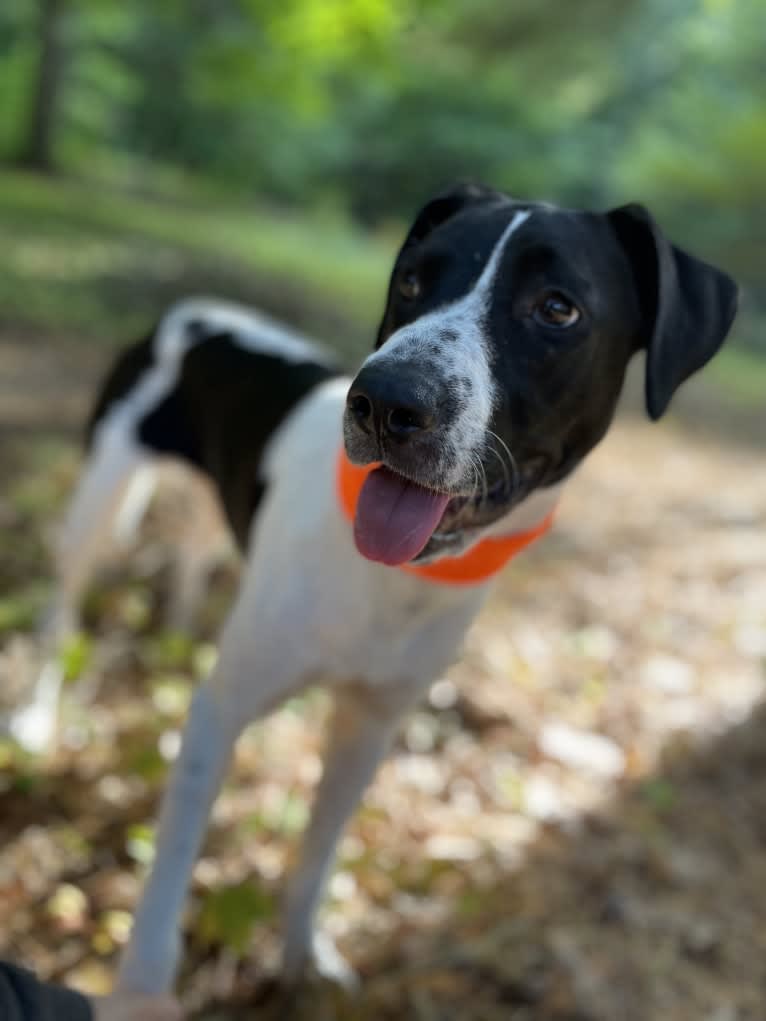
point(275, 150)
point(571, 827)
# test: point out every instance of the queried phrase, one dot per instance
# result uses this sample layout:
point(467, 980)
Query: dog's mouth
point(398, 520)
point(395, 517)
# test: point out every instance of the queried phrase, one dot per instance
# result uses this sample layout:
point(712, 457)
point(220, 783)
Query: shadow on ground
point(649, 910)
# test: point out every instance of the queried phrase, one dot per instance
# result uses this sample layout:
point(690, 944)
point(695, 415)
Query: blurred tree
point(37, 146)
point(371, 104)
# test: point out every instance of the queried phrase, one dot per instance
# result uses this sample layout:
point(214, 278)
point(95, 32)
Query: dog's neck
point(527, 515)
point(485, 558)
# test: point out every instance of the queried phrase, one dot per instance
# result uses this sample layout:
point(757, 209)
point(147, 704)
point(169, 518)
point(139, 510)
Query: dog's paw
point(34, 727)
point(32, 722)
point(330, 964)
point(322, 960)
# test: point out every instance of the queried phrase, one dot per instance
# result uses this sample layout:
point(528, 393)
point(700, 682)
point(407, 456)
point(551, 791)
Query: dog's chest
point(385, 633)
point(315, 606)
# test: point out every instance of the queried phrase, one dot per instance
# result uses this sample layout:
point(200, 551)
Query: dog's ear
point(437, 211)
point(444, 206)
point(687, 306)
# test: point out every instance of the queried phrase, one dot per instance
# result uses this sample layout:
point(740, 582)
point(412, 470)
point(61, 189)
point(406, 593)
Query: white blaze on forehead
point(474, 301)
point(462, 358)
point(454, 312)
point(489, 272)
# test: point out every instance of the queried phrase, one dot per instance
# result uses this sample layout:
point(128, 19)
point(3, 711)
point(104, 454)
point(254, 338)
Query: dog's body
point(499, 362)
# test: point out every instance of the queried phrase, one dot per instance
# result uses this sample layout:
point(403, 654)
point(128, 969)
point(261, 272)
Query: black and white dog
point(500, 358)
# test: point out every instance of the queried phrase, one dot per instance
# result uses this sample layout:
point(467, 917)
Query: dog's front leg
point(360, 732)
point(149, 963)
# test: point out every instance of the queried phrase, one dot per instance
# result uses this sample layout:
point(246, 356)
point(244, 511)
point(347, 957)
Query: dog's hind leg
point(361, 729)
point(132, 509)
point(109, 500)
point(116, 467)
point(202, 542)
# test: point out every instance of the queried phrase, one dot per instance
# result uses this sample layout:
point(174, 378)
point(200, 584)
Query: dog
point(374, 512)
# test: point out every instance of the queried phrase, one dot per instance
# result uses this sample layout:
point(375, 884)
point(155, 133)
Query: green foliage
point(660, 795)
point(288, 815)
point(75, 656)
point(19, 610)
point(139, 843)
point(742, 375)
point(85, 257)
point(170, 650)
point(367, 106)
point(148, 763)
point(229, 914)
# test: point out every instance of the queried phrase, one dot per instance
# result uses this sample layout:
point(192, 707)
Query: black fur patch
point(233, 400)
point(227, 403)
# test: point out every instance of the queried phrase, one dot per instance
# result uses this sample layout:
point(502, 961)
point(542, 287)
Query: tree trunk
point(37, 148)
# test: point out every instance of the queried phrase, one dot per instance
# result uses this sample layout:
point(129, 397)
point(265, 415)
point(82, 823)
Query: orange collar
point(477, 564)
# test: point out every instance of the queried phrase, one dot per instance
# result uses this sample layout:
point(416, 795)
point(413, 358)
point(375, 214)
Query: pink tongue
point(395, 518)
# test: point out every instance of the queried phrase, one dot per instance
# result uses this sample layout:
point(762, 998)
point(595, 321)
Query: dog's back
point(210, 385)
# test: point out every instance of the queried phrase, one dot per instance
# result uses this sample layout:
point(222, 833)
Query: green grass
point(79, 257)
point(82, 259)
point(741, 374)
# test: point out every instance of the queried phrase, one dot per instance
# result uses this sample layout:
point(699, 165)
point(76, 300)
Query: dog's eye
point(408, 285)
point(556, 310)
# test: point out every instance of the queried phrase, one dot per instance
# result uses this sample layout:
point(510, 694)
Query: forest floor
point(571, 828)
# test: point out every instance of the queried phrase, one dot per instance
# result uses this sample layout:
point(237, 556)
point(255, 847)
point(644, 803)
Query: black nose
point(391, 402)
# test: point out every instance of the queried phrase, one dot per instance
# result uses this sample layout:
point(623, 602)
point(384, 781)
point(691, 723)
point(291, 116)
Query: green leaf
point(18, 612)
point(171, 650)
point(660, 794)
point(140, 843)
point(75, 656)
point(229, 914)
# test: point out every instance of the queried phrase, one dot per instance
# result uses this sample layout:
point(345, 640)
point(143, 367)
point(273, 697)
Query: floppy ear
point(444, 206)
point(437, 211)
point(687, 306)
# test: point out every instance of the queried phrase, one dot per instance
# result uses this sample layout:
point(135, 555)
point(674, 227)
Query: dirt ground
point(573, 827)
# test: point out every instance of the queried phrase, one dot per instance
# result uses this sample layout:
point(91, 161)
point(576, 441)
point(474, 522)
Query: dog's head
point(502, 351)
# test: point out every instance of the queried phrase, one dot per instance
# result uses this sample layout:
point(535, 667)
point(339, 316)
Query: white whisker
point(514, 476)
